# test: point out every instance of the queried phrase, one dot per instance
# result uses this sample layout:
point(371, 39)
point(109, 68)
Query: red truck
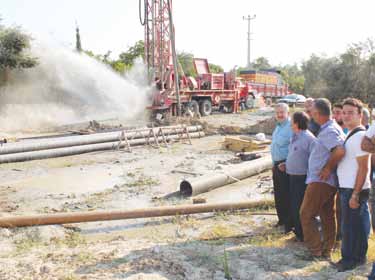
point(267, 83)
point(204, 93)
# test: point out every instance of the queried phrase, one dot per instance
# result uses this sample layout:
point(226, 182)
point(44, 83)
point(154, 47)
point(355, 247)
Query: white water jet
point(68, 87)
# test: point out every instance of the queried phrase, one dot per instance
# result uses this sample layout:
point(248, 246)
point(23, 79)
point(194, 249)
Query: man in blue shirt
point(322, 182)
point(279, 152)
point(297, 164)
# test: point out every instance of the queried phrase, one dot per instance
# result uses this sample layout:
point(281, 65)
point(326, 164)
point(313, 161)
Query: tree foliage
point(126, 60)
point(185, 60)
point(13, 49)
point(214, 68)
point(261, 63)
point(128, 57)
point(293, 76)
point(351, 74)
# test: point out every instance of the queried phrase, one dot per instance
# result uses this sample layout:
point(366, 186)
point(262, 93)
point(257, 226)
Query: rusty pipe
point(212, 181)
point(94, 216)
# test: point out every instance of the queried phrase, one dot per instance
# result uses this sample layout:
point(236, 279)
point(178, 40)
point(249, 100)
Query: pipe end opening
point(185, 188)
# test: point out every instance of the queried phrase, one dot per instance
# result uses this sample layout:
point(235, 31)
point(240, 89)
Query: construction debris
point(244, 144)
point(245, 156)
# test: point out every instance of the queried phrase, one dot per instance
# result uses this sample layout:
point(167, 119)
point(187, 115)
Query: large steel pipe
point(93, 216)
point(68, 151)
point(69, 141)
point(212, 181)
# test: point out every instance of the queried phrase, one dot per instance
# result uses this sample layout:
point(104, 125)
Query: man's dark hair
point(338, 105)
point(323, 106)
point(301, 119)
point(355, 103)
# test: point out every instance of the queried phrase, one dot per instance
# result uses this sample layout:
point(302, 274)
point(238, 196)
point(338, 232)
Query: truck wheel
point(249, 104)
point(193, 107)
point(228, 107)
point(205, 107)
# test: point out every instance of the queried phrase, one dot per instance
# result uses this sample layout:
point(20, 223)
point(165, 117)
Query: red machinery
point(203, 93)
point(268, 83)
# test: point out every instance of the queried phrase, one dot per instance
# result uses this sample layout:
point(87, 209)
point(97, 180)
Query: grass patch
point(130, 174)
point(218, 232)
point(315, 267)
point(226, 266)
point(143, 181)
point(26, 244)
point(69, 277)
point(371, 248)
point(72, 239)
point(269, 238)
point(84, 257)
point(138, 179)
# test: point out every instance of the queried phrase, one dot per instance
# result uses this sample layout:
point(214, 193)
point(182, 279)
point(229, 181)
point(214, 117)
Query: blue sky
point(284, 31)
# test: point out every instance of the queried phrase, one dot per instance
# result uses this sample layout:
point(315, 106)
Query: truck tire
point(192, 108)
point(205, 107)
point(227, 107)
point(250, 100)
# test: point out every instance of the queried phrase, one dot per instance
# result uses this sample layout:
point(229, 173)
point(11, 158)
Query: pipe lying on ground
point(93, 216)
point(212, 181)
point(79, 140)
point(75, 150)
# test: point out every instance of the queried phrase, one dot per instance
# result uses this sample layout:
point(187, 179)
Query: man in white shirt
point(353, 173)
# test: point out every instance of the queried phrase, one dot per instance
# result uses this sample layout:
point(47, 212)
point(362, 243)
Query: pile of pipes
point(79, 144)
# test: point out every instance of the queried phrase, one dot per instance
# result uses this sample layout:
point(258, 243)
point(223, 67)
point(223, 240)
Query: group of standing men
point(321, 173)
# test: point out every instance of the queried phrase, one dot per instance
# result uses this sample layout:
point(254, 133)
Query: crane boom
point(158, 51)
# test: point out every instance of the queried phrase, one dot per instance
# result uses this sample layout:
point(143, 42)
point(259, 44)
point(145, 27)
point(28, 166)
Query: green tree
point(13, 51)
point(261, 63)
point(294, 77)
point(214, 68)
point(350, 74)
point(313, 71)
point(128, 57)
point(185, 60)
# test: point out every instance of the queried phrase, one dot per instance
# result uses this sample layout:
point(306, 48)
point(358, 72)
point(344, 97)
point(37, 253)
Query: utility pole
point(78, 39)
point(248, 18)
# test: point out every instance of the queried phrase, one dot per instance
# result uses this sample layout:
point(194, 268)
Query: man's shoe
point(362, 262)
point(278, 224)
point(297, 239)
point(288, 228)
point(327, 255)
point(341, 266)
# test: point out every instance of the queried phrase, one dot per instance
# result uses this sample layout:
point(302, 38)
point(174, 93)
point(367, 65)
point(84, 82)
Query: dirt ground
point(235, 245)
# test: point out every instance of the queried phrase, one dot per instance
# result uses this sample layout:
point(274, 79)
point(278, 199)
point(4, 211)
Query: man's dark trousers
point(297, 192)
point(282, 196)
point(355, 228)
